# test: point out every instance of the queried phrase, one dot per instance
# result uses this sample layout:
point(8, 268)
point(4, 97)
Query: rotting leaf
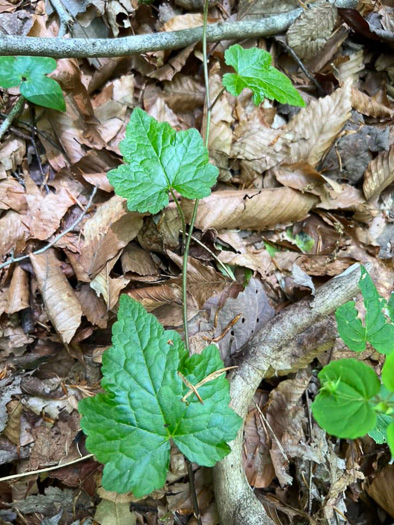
point(129, 428)
point(159, 160)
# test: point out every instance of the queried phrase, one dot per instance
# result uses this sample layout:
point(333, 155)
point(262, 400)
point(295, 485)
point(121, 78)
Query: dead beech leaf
point(379, 174)
point(257, 260)
point(369, 106)
point(59, 298)
point(12, 195)
point(46, 211)
point(136, 260)
point(93, 167)
point(163, 113)
point(110, 229)
point(14, 233)
point(93, 307)
point(184, 93)
point(315, 128)
point(251, 210)
point(310, 32)
point(349, 66)
point(18, 294)
point(12, 153)
point(382, 489)
point(109, 287)
point(173, 65)
point(186, 21)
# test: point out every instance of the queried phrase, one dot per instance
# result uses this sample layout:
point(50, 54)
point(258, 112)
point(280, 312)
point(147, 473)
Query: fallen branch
point(18, 107)
point(270, 351)
point(117, 47)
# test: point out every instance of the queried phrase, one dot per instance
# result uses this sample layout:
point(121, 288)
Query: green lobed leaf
point(129, 428)
point(253, 71)
point(30, 73)
point(158, 160)
point(379, 433)
point(390, 306)
point(345, 411)
point(388, 372)
point(377, 330)
point(390, 438)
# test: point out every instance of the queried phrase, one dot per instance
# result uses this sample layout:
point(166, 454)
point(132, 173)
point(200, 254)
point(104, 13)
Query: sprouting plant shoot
point(155, 393)
point(352, 400)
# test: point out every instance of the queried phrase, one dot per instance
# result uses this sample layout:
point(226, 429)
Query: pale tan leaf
point(251, 210)
point(109, 287)
point(12, 195)
point(163, 113)
point(315, 128)
point(114, 513)
point(110, 229)
point(369, 106)
point(11, 155)
point(186, 21)
point(14, 233)
point(258, 260)
point(18, 294)
point(220, 131)
point(263, 146)
point(349, 66)
point(59, 298)
point(309, 33)
point(379, 174)
point(46, 211)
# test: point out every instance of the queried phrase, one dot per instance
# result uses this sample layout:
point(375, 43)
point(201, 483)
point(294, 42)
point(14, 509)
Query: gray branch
point(85, 48)
point(270, 350)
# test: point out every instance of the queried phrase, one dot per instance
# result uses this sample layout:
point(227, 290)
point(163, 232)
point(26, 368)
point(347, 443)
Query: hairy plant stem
point(12, 115)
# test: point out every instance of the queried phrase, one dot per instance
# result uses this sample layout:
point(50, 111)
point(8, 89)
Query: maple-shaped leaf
point(130, 427)
point(378, 331)
point(159, 160)
point(255, 72)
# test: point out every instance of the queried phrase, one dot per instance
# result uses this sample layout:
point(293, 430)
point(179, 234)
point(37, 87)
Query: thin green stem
point(182, 217)
point(12, 115)
point(194, 215)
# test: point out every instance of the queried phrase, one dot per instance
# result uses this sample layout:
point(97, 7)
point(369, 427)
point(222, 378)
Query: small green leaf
point(129, 428)
point(30, 73)
point(346, 412)
point(388, 372)
point(255, 72)
point(391, 307)
point(390, 438)
point(45, 92)
point(379, 433)
point(160, 160)
point(377, 330)
point(9, 77)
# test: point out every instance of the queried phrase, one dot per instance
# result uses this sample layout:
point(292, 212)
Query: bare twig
point(117, 47)
point(18, 107)
point(48, 469)
point(56, 239)
point(65, 19)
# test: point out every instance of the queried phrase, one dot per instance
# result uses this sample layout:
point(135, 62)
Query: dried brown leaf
point(14, 233)
point(382, 489)
point(12, 195)
point(136, 260)
point(251, 210)
point(93, 307)
point(369, 106)
point(59, 298)
point(315, 128)
point(93, 167)
point(310, 32)
point(110, 229)
point(173, 65)
point(184, 93)
point(12, 153)
point(18, 294)
point(379, 174)
point(349, 66)
point(186, 21)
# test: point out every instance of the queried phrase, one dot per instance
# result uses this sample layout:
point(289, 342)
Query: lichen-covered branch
point(270, 351)
point(117, 47)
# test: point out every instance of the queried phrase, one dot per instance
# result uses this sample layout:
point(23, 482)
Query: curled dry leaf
point(173, 65)
point(14, 233)
point(109, 288)
point(310, 32)
point(379, 174)
point(349, 66)
point(315, 128)
point(18, 294)
point(369, 106)
point(251, 210)
point(110, 229)
point(12, 153)
point(59, 298)
point(93, 168)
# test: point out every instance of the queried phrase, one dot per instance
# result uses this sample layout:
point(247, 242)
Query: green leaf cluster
point(30, 73)
point(158, 161)
point(352, 401)
point(130, 427)
point(254, 71)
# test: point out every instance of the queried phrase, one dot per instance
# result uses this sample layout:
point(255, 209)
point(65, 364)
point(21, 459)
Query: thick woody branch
point(270, 351)
point(97, 47)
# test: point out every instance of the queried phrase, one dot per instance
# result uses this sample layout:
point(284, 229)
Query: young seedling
point(352, 400)
point(30, 75)
point(154, 392)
